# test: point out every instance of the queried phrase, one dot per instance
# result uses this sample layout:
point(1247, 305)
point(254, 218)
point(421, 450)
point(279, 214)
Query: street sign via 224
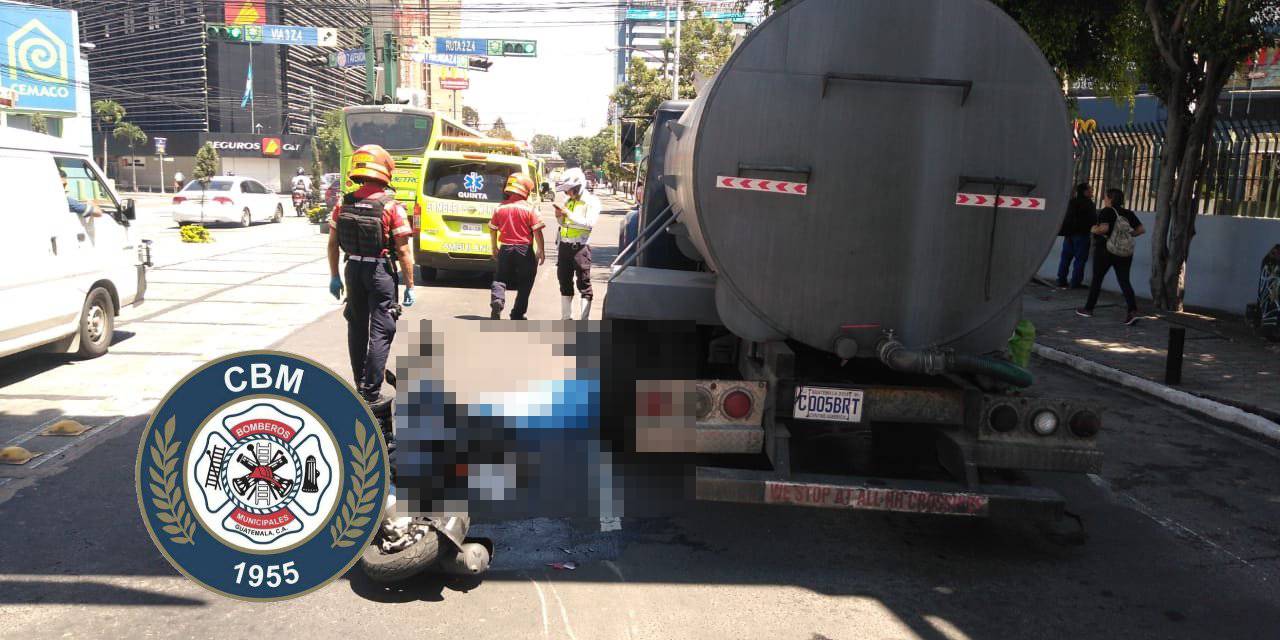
point(262, 476)
point(487, 47)
point(299, 36)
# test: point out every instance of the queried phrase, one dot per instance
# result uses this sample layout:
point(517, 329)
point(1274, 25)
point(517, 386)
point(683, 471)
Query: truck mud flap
point(878, 494)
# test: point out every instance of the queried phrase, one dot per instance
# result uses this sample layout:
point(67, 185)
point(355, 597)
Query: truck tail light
point(737, 404)
point(1003, 418)
point(1085, 424)
point(1044, 423)
point(415, 221)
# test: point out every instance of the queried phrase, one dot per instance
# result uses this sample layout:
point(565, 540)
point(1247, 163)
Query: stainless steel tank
point(886, 110)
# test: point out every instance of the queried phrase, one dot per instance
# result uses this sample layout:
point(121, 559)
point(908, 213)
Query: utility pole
point(675, 75)
point(311, 110)
point(253, 119)
point(370, 81)
point(389, 75)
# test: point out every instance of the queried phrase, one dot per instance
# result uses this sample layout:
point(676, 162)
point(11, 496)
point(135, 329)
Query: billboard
point(244, 12)
point(38, 52)
point(454, 79)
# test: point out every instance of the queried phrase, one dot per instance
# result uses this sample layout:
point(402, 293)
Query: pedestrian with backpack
point(1113, 245)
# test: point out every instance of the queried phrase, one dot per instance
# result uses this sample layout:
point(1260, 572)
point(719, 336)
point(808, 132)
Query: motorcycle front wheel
point(388, 568)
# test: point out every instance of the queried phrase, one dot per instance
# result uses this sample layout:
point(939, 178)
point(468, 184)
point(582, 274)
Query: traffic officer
point(576, 217)
point(367, 225)
point(516, 227)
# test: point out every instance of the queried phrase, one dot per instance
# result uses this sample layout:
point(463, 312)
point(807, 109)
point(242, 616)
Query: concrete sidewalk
point(1223, 362)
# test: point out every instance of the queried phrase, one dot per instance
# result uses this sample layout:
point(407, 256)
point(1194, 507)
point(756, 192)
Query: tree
point(543, 143)
point(39, 123)
point(206, 168)
point(705, 45)
point(328, 140)
point(206, 163)
point(499, 131)
point(131, 136)
point(1194, 48)
point(106, 113)
point(575, 151)
point(470, 117)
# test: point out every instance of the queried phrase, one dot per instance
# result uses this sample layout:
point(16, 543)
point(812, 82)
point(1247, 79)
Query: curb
point(1209, 408)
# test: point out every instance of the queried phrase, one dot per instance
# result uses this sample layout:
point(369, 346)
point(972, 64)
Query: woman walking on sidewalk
point(1113, 238)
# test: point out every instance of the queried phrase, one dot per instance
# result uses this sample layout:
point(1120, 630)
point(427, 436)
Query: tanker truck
point(834, 242)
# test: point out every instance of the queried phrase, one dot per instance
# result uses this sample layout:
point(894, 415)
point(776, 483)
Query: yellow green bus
point(407, 133)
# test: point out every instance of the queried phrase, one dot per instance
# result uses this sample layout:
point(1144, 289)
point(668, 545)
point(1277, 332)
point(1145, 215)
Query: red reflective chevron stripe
point(767, 186)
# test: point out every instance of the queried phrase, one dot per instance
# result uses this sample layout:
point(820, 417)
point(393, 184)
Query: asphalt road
point(1182, 532)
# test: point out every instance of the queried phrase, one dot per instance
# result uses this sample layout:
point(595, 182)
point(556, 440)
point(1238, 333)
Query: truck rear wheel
point(97, 323)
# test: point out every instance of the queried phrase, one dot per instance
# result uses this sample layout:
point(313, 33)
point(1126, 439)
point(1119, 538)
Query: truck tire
point(387, 568)
point(97, 324)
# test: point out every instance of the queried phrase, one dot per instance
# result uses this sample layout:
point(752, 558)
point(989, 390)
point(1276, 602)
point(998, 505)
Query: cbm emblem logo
point(271, 147)
point(38, 52)
point(262, 476)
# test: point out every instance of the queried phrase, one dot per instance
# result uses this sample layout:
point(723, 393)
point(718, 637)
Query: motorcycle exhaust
point(472, 559)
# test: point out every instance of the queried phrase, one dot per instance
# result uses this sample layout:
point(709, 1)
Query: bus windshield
point(395, 132)
point(477, 181)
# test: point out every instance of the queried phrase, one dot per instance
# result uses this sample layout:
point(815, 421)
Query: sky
point(565, 90)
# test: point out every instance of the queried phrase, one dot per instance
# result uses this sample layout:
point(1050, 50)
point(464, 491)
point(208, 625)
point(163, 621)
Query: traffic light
point(479, 64)
point(520, 48)
point(226, 33)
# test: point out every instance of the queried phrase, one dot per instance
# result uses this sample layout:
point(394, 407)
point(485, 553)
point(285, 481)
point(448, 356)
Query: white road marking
point(546, 632)
point(1169, 524)
point(564, 614)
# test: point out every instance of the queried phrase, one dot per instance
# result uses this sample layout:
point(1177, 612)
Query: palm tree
point(131, 135)
point(106, 112)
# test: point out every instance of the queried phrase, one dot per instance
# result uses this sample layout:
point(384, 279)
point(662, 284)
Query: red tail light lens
point(655, 404)
point(179, 199)
point(222, 200)
point(737, 404)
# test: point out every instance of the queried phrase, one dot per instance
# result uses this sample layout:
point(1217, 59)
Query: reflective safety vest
point(359, 225)
point(570, 232)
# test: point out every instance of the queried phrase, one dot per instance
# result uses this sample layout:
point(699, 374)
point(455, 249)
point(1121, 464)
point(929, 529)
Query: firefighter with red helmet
point(371, 228)
point(515, 234)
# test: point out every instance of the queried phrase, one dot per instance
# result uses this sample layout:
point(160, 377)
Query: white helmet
point(572, 178)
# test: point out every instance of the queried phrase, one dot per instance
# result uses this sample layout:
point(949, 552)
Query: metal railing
point(1242, 170)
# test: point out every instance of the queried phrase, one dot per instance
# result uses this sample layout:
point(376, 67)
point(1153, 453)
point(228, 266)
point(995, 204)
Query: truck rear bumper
point(878, 494)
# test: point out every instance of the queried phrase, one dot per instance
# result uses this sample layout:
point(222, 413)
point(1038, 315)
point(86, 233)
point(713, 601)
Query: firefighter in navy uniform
point(371, 228)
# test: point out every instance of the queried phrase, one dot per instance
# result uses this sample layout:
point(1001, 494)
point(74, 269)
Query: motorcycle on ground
point(407, 546)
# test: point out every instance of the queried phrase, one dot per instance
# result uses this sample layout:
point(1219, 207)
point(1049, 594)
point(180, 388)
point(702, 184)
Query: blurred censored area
point(509, 419)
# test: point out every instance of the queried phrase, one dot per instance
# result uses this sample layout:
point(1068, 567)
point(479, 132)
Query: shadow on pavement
point(87, 592)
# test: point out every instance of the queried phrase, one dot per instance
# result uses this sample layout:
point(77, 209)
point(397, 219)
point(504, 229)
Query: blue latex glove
point(335, 287)
point(408, 297)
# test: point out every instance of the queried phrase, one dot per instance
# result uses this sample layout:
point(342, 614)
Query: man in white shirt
point(576, 217)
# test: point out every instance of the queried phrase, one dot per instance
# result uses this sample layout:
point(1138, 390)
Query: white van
point(63, 277)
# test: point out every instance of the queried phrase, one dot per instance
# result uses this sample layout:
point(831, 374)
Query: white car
point(226, 199)
point(71, 260)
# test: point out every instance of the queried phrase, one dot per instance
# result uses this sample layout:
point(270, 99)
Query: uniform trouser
point(517, 268)
point(574, 261)
point(371, 323)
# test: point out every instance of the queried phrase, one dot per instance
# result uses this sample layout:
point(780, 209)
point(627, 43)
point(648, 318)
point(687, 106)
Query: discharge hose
point(933, 361)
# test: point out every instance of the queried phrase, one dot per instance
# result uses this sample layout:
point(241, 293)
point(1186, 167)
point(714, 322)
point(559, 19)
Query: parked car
point(332, 193)
point(65, 275)
point(226, 199)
